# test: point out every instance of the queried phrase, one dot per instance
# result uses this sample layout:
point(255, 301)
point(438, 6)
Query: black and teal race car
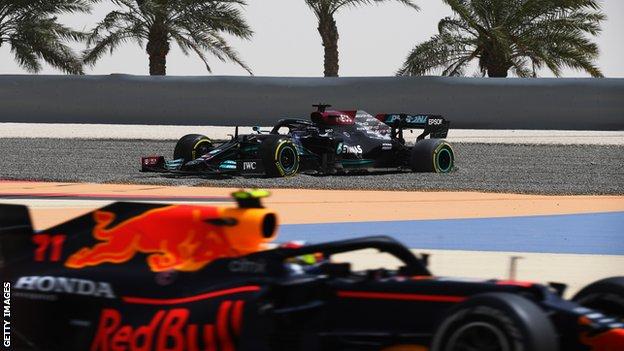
point(330, 142)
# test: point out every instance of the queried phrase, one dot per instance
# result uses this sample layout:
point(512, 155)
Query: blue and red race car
point(135, 276)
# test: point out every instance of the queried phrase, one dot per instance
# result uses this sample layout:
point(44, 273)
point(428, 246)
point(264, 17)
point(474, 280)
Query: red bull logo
point(170, 330)
point(177, 237)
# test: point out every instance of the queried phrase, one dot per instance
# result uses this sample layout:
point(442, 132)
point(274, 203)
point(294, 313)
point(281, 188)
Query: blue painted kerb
point(593, 233)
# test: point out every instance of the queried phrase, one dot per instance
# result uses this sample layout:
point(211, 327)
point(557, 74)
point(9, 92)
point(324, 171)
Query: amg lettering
point(76, 286)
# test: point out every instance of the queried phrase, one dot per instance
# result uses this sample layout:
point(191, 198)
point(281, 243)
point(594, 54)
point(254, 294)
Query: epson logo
point(75, 286)
point(435, 121)
point(250, 166)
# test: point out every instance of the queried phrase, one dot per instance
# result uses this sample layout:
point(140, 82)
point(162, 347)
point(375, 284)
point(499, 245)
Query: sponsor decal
point(346, 134)
point(345, 119)
point(166, 277)
point(418, 119)
point(386, 146)
point(250, 166)
point(247, 266)
point(150, 161)
point(435, 121)
point(80, 323)
point(176, 237)
point(50, 284)
point(348, 149)
point(170, 330)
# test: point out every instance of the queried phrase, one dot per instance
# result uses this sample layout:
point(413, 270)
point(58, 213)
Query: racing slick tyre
point(192, 146)
point(432, 155)
point(606, 296)
point(280, 157)
point(496, 321)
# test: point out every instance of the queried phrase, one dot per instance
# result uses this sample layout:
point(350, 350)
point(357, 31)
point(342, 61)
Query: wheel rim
point(202, 149)
point(287, 159)
point(444, 159)
point(478, 336)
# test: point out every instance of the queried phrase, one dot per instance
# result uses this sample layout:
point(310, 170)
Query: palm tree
point(518, 35)
point(325, 11)
point(31, 29)
point(195, 25)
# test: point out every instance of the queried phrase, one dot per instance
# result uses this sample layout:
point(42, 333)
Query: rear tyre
point(280, 157)
point(432, 155)
point(606, 296)
point(192, 146)
point(497, 322)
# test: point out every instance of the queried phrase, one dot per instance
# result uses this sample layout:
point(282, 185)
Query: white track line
point(167, 132)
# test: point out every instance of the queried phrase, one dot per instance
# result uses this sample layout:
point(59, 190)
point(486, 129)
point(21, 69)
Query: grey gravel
point(540, 169)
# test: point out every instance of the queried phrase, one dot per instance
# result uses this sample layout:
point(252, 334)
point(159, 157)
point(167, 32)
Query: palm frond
point(195, 25)
point(523, 36)
point(32, 30)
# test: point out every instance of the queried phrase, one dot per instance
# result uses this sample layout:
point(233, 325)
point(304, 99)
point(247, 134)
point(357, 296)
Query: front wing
point(177, 167)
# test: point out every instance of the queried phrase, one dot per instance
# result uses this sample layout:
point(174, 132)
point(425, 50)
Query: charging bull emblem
point(177, 237)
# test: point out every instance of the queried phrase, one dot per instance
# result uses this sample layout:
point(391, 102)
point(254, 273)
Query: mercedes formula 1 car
point(179, 277)
point(331, 142)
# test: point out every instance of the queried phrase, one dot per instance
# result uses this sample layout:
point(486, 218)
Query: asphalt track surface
point(539, 169)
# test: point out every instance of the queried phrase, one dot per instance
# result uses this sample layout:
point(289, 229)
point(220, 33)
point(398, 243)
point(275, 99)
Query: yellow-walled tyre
point(192, 146)
point(432, 155)
point(280, 157)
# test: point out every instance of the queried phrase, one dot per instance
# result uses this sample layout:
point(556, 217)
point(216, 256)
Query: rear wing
point(434, 125)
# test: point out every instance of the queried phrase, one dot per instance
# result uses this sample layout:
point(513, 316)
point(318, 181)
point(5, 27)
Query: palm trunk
point(157, 49)
point(497, 72)
point(329, 34)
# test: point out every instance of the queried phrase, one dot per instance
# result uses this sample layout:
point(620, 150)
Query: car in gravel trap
point(138, 276)
point(330, 142)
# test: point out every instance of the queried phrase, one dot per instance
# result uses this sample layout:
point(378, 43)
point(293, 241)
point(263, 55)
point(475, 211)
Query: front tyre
point(280, 157)
point(497, 322)
point(192, 146)
point(432, 155)
point(606, 296)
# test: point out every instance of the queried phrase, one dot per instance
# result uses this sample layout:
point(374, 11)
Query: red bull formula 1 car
point(178, 277)
point(331, 142)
